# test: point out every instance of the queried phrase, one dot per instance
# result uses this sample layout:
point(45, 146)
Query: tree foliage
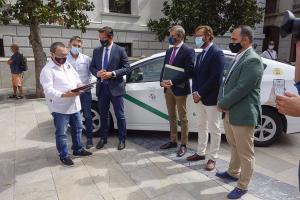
point(221, 15)
point(65, 12)
point(68, 13)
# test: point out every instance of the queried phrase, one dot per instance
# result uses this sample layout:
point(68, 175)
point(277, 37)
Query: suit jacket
point(118, 62)
point(242, 90)
point(207, 76)
point(185, 58)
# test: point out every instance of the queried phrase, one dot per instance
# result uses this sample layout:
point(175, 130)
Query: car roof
point(226, 52)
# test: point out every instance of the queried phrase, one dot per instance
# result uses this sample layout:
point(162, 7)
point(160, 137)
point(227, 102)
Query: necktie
point(173, 55)
point(201, 57)
point(105, 60)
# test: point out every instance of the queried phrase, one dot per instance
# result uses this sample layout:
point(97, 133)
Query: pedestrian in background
point(207, 78)
point(58, 77)
point(270, 53)
point(239, 100)
point(15, 62)
point(81, 64)
point(177, 89)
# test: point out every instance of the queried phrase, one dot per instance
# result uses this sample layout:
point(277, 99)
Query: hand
point(167, 83)
point(288, 104)
point(70, 94)
point(99, 73)
point(106, 75)
point(196, 97)
point(9, 62)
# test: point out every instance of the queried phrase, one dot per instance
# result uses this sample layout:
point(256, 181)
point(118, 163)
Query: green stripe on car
point(146, 107)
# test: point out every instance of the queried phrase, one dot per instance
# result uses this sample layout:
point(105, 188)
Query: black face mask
point(104, 43)
point(60, 61)
point(235, 47)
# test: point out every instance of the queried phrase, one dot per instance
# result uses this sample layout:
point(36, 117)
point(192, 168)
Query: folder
point(84, 87)
point(171, 71)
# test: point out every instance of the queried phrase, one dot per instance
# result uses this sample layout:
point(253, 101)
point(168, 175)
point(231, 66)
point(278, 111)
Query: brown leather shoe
point(168, 145)
point(195, 157)
point(181, 151)
point(210, 165)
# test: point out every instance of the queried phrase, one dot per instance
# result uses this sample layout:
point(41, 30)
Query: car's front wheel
point(270, 129)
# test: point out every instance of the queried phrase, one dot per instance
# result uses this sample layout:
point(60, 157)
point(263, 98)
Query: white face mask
point(271, 47)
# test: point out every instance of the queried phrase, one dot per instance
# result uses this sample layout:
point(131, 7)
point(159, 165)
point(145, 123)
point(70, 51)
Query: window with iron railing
point(120, 6)
point(271, 6)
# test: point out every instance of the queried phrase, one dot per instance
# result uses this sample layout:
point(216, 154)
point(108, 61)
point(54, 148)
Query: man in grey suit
point(239, 99)
point(109, 64)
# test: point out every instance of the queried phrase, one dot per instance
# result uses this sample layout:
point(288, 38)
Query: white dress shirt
point(57, 80)
point(82, 65)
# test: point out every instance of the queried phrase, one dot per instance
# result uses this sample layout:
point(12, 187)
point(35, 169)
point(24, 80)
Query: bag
point(23, 65)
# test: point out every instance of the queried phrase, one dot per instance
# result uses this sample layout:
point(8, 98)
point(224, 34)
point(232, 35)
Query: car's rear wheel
point(96, 121)
point(270, 129)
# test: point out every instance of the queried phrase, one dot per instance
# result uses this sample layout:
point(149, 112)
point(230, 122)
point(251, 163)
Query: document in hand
point(171, 71)
point(84, 87)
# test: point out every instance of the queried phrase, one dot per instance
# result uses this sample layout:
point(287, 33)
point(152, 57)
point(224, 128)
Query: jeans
point(86, 105)
point(104, 100)
point(61, 122)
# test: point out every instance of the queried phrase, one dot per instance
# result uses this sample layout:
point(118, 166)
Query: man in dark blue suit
point(177, 89)
point(109, 64)
point(207, 79)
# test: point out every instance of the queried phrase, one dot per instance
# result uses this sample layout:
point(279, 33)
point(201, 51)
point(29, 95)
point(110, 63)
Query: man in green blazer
point(239, 100)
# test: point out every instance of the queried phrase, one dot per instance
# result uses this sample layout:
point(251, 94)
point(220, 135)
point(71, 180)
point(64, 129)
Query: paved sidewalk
point(30, 169)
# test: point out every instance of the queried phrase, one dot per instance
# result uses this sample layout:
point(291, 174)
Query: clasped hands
point(166, 83)
point(103, 74)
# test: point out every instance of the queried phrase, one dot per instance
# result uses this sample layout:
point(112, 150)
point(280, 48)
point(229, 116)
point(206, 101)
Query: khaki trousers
point(241, 140)
point(174, 104)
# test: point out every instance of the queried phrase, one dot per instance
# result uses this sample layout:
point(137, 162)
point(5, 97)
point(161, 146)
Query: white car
point(145, 106)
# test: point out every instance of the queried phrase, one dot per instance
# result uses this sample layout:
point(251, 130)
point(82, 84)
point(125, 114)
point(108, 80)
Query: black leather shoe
point(67, 161)
point(83, 152)
point(169, 145)
point(121, 145)
point(101, 144)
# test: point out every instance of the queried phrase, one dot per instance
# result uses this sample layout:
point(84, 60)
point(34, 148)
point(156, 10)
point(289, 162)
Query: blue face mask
point(75, 50)
point(172, 40)
point(199, 42)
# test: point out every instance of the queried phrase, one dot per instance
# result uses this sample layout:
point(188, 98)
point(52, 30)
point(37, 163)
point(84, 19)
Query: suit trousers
point(208, 118)
point(104, 99)
point(241, 141)
point(174, 104)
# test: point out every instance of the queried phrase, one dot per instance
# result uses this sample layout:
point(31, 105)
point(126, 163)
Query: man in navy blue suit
point(109, 64)
point(177, 89)
point(207, 79)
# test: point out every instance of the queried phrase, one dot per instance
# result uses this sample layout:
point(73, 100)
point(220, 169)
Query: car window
point(148, 71)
